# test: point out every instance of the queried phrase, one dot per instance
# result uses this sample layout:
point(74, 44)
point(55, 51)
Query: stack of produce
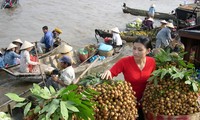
point(173, 89)
point(116, 100)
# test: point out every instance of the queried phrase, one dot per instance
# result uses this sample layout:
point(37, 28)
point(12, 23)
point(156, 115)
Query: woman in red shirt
point(137, 68)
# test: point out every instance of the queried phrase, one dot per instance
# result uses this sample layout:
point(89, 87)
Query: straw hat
point(58, 30)
point(11, 45)
point(115, 29)
point(18, 41)
point(0, 52)
point(170, 25)
point(26, 45)
point(163, 21)
point(150, 19)
point(64, 48)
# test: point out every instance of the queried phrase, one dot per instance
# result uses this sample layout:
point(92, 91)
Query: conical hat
point(11, 45)
point(153, 5)
point(164, 21)
point(151, 19)
point(64, 48)
point(0, 52)
point(58, 30)
point(170, 25)
point(26, 45)
point(115, 29)
point(18, 40)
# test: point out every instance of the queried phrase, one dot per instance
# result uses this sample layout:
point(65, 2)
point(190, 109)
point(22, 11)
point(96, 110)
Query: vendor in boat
point(57, 41)
point(10, 57)
point(25, 60)
point(163, 38)
point(65, 50)
point(147, 24)
point(117, 41)
point(136, 69)
point(152, 11)
point(66, 75)
point(2, 65)
point(163, 23)
point(19, 43)
point(46, 42)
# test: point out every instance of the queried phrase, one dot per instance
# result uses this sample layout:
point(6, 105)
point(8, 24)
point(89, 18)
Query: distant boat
point(9, 3)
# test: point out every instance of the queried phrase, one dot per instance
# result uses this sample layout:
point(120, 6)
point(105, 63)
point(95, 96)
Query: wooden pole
point(84, 72)
point(39, 65)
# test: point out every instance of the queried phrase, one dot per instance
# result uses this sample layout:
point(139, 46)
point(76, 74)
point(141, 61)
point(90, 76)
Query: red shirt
point(138, 78)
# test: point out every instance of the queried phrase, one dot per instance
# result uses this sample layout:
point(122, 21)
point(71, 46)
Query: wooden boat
point(138, 12)
point(79, 66)
point(128, 36)
point(9, 3)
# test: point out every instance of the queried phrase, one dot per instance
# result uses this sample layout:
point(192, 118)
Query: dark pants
point(52, 83)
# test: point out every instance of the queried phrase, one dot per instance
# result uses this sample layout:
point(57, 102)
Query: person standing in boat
point(19, 43)
point(10, 57)
point(117, 41)
point(163, 38)
point(46, 42)
point(57, 41)
point(152, 11)
point(25, 58)
point(2, 65)
point(136, 69)
point(67, 74)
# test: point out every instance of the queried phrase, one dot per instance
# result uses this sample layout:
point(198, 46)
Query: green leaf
point(20, 104)
point(15, 97)
point(164, 72)
point(37, 109)
point(52, 90)
point(69, 88)
point(27, 108)
point(194, 86)
point(71, 107)
point(52, 107)
point(64, 110)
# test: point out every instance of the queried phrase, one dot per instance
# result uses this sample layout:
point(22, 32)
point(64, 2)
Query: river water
point(77, 18)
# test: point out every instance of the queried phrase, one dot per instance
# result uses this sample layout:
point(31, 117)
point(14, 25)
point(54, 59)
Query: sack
point(104, 47)
point(83, 54)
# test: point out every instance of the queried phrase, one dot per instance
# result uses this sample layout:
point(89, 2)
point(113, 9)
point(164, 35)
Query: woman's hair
point(145, 41)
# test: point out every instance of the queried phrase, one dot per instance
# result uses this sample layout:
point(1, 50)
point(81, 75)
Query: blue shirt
point(151, 11)
point(164, 34)
point(2, 65)
point(48, 39)
point(10, 58)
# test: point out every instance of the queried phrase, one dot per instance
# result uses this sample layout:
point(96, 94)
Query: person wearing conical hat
point(57, 40)
point(25, 60)
point(116, 37)
point(19, 43)
point(2, 64)
point(163, 37)
point(163, 23)
point(10, 57)
point(152, 11)
point(67, 50)
point(148, 24)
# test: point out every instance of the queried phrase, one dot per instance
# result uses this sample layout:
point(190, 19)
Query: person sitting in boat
point(152, 11)
point(2, 65)
point(65, 50)
point(10, 57)
point(67, 74)
point(57, 41)
point(117, 41)
point(19, 43)
point(147, 24)
point(25, 58)
point(46, 42)
point(163, 38)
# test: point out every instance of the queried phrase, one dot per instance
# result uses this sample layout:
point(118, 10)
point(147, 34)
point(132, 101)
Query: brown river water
point(77, 18)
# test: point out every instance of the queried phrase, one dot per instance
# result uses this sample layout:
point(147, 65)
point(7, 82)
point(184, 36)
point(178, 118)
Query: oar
point(40, 65)
point(84, 72)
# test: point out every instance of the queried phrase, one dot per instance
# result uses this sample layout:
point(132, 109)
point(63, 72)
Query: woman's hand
point(106, 75)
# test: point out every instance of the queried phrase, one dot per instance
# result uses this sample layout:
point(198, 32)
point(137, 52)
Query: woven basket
point(106, 53)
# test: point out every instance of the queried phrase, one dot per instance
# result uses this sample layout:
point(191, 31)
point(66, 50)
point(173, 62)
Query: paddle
point(84, 72)
point(39, 65)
